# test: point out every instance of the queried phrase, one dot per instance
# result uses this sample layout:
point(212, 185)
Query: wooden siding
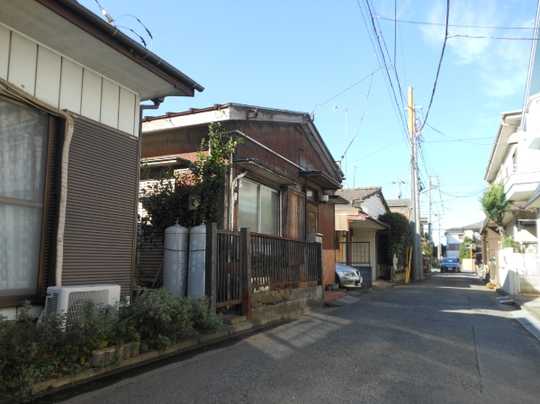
point(327, 229)
point(65, 84)
point(99, 235)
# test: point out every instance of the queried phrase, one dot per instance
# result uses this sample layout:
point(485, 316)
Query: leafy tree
point(495, 205)
point(193, 197)
point(400, 236)
point(466, 248)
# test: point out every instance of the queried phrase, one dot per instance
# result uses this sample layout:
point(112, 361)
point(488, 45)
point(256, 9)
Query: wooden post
point(245, 259)
point(211, 264)
point(348, 248)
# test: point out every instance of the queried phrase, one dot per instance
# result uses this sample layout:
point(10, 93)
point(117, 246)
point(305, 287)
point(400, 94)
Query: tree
point(495, 205)
point(193, 197)
point(399, 234)
point(466, 248)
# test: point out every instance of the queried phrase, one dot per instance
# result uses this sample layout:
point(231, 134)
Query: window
point(23, 148)
point(258, 207)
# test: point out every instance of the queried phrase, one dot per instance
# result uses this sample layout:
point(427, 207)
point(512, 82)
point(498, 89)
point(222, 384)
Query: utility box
point(175, 250)
point(197, 262)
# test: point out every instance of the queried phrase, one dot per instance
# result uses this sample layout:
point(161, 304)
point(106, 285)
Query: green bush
point(32, 351)
point(204, 319)
point(159, 317)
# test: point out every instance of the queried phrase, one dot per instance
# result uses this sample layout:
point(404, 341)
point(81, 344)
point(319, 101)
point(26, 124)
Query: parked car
point(450, 264)
point(347, 276)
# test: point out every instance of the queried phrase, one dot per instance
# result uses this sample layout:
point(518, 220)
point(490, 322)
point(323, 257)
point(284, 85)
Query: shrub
point(204, 319)
point(159, 317)
point(32, 351)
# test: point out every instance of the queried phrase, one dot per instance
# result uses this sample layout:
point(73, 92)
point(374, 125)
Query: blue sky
point(298, 54)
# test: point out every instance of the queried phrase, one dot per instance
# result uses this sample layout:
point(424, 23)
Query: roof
point(234, 111)
point(477, 226)
point(57, 23)
point(510, 122)
point(394, 203)
point(358, 194)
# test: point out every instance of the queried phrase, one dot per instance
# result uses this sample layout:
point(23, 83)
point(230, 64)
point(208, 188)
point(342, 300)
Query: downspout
point(68, 135)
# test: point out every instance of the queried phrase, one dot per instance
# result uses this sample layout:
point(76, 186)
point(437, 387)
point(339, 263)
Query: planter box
point(105, 357)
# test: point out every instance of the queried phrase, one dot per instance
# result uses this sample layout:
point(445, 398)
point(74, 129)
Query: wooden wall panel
point(71, 86)
point(64, 83)
point(91, 95)
point(110, 93)
point(22, 63)
point(4, 51)
point(48, 76)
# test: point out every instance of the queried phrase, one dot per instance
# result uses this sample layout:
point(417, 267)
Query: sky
point(316, 56)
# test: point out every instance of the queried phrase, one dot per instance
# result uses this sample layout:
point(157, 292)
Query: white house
point(358, 229)
point(515, 163)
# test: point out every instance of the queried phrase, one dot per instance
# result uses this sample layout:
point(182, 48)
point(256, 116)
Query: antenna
point(105, 13)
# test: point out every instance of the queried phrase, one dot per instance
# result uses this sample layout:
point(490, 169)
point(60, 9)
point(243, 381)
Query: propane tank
point(175, 259)
point(197, 261)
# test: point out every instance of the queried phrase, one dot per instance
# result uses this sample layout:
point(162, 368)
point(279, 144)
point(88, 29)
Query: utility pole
point(429, 202)
point(399, 183)
point(415, 192)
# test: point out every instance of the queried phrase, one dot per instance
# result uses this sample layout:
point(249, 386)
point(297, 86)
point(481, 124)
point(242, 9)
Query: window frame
point(279, 205)
point(15, 297)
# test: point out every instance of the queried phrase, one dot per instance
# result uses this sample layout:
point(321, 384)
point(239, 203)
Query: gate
point(229, 270)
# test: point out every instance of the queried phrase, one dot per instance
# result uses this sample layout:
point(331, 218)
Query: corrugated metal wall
point(100, 215)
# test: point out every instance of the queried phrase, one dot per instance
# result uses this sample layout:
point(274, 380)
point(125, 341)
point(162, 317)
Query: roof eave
point(112, 36)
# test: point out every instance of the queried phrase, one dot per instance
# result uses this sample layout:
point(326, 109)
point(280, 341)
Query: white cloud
point(500, 64)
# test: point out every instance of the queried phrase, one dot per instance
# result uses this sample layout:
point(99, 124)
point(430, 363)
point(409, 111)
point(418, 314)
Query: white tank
point(175, 259)
point(197, 261)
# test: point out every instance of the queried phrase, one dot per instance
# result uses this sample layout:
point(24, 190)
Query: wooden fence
point(242, 263)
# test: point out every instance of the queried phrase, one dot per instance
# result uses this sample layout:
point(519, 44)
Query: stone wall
point(284, 304)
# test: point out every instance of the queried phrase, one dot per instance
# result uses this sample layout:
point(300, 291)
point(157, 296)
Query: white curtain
point(23, 141)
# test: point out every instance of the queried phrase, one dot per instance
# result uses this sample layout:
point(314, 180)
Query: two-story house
point(71, 87)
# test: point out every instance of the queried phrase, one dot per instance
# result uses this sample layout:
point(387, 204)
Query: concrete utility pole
point(415, 191)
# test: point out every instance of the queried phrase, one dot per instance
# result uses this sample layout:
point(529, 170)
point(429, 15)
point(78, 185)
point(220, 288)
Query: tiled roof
point(357, 194)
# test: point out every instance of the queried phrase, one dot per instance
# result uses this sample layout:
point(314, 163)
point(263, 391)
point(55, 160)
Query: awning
point(321, 179)
point(262, 171)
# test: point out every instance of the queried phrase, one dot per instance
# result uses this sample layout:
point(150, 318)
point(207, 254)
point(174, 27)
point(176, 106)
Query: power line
point(416, 22)
point(347, 88)
point(439, 65)
point(454, 139)
point(361, 121)
point(503, 38)
point(382, 61)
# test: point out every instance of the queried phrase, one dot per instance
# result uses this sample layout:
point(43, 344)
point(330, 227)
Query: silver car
point(347, 276)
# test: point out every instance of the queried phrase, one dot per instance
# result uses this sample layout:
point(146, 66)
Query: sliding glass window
point(258, 207)
point(23, 148)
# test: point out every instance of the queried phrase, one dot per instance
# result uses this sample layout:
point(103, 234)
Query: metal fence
point(355, 253)
point(244, 263)
point(280, 263)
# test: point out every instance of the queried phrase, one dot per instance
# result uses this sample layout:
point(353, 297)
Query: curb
point(528, 321)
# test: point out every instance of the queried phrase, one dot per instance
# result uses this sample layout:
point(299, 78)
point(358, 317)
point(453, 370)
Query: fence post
point(211, 264)
point(245, 259)
point(348, 249)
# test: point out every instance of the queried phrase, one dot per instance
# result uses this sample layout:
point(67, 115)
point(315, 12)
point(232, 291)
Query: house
point(359, 232)
point(514, 163)
point(456, 236)
point(283, 176)
point(70, 92)
point(401, 205)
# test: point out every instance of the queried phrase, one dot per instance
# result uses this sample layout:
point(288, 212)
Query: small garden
point(34, 351)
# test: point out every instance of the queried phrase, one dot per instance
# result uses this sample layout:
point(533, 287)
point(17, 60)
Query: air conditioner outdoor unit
point(69, 301)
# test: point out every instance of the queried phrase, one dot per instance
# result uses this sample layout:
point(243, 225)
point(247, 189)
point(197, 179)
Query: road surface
point(442, 341)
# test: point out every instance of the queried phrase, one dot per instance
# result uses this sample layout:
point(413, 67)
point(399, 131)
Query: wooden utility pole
point(415, 190)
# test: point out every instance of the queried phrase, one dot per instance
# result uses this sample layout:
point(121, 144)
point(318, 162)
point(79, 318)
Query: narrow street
point(443, 341)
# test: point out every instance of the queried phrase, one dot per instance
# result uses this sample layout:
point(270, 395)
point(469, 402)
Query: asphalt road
point(442, 341)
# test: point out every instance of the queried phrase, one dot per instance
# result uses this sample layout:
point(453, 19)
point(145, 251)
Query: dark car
point(450, 264)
